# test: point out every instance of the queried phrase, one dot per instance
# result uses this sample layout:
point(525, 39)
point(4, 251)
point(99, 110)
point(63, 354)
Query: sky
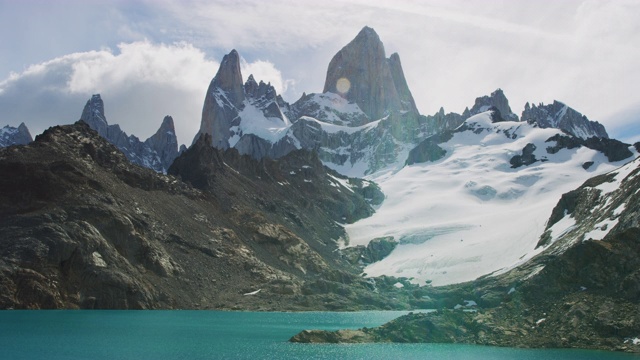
point(151, 58)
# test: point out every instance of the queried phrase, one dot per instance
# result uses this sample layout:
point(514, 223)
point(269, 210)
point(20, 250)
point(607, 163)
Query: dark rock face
point(157, 152)
point(406, 99)
point(527, 157)
point(428, 150)
point(10, 135)
point(199, 164)
point(560, 116)
point(613, 149)
point(376, 250)
point(496, 100)
point(229, 78)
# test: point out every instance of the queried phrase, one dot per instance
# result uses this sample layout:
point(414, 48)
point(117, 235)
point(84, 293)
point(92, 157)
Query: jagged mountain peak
point(401, 83)
point(156, 153)
point(240, 115)
point(10, 135)
point(367, 35)
point(229, 78)
point(361, 73)
point(559, 115)
point(498, 100)
point(254, 90)
point(23, 127)
point(164, 142)
point(93, 114)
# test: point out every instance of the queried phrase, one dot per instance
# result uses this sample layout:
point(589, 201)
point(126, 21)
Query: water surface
point(192, 335)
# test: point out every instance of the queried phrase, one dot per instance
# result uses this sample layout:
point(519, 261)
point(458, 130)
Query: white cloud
point(265, 71)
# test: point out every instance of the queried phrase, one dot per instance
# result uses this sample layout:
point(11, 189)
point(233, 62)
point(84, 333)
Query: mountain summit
point(365, 119)
point(561, 116)
point(10, 135)
point(362, 74)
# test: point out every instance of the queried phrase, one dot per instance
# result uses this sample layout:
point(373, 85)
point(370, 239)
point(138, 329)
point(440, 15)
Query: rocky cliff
point(157, 152)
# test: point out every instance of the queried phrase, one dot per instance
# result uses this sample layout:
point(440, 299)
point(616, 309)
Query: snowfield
point(471, 213)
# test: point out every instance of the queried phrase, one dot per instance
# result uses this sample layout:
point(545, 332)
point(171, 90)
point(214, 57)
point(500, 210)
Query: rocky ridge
point(157, 152)
point(560, 116)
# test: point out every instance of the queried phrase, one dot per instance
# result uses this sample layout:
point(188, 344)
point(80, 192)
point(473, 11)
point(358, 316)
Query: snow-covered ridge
point(471, 212)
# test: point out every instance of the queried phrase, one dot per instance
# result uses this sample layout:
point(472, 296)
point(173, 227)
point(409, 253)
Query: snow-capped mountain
point(157, 152)
point(479, 202)
point(477, 187)
point(365, 120)
point(10, 135)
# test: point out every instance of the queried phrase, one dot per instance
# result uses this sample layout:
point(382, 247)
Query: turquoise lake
point(223, 335)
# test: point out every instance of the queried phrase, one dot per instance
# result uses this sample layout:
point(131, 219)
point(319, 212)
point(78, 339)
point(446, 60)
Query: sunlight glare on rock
point(343, 85)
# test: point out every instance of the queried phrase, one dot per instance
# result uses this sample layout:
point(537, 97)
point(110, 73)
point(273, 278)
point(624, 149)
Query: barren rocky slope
point(82, 227)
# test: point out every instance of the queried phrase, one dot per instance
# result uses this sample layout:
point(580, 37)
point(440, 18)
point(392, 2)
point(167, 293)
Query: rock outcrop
point(10, 135)
point(560, 116)
point(613, 149)
point(157, 152)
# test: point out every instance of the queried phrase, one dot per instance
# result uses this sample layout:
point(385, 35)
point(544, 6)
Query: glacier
point(471, 213)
